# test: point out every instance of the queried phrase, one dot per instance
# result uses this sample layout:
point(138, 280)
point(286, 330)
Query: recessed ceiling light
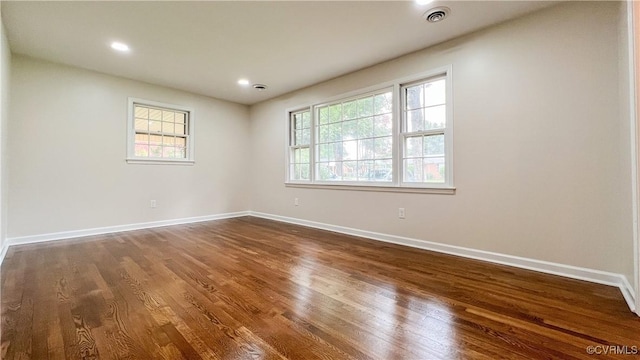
point(119, 46)
point(423, 2)
point(243, 82)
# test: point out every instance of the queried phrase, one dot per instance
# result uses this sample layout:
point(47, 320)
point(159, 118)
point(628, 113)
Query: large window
point(355, 139)
point(399, 136)
point(159, 132)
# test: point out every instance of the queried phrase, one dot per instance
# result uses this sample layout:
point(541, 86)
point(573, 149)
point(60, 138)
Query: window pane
point(306, 119)
point(141, 112)
point(436, 117)
point(433, 170)
point(304, 155)
point(297, 121)
point(296, 155)
point(179, 129)
point(142, 138)
point(434, 145)
point(413, 146)
point(383, 125)
point(155, 151)
point(331, 132)
point(365, 149)
point(330, 152)
point(181, 152)
point(350, 130)
point(180, 118)
point(435, 93)
point(323, 115)
point(167, 128)
point(350, 150)
point(383, 103)
point(141, 150)
point(304, 172)
point(383, 147)
point(366, 171)
point(365, 107)
point(168, 116)
point(168, 151)
point(306, 137)
point(327, 171)
point(415, 120)
point(155, 114)
point(155, 140)
point(350, 110)
point(335, 113)
point(142, 124)
point(298, 137)
point(383, 170)
point(155, 126)
point(168, 140)
point(350, 170)
point(365, 127)
point(413, 170)
point(414, 97)
point(180, 141)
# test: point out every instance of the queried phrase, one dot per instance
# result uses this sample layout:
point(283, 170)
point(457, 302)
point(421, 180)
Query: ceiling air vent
point(436, 14)
point(260, 87)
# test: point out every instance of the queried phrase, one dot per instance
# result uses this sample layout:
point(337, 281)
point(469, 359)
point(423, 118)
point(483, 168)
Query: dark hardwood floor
point(249, 288)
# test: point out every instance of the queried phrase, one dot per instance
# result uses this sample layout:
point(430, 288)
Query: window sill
point(160, 162)
point(396, 189)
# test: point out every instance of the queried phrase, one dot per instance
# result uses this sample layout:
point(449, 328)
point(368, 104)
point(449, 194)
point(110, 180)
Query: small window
point(299, 145)
point(159, 133)
point(425, 131)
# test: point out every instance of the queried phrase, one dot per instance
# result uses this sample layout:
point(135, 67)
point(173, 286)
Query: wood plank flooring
point(250, 288)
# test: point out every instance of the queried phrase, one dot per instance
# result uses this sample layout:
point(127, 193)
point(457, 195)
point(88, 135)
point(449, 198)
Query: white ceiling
point(205, 47)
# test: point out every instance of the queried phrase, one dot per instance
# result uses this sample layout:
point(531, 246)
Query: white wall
point(541, 147)
point(67, 168)
point(5, 74)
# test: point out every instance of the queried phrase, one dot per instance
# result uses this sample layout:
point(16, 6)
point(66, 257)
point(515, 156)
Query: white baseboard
point(574, 272)
point(3, 251)
point(114, 229)
point(596, 276)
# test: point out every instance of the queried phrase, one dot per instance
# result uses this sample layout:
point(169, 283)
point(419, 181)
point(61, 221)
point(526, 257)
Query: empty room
point(319, 180)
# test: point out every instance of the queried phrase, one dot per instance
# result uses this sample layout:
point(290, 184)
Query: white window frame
point(447, 132)
point(131, 133)
point(292, 147)
point(396, 185)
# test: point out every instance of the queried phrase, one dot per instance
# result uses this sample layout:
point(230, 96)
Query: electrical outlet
point(153, 204)
point(401, 213)
point(296, 202)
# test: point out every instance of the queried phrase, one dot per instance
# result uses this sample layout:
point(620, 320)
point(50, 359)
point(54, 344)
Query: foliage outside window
point(397, 136)
point(355, 139)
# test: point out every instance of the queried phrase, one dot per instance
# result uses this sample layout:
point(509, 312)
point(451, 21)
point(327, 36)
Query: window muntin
point(299, 145)
point(355, 139)
point(424, 114)
point(398, 136)
point(159, 132)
